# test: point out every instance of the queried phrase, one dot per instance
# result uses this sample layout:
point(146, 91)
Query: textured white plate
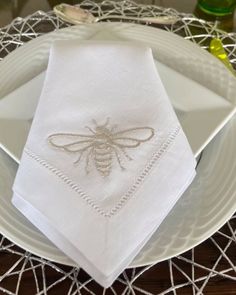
point(211, 199)
point(202, 112)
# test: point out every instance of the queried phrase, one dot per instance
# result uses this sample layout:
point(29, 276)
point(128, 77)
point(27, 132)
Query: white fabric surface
point(101, 208)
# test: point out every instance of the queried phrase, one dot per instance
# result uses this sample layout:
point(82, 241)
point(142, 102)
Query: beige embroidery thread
point(102, 145)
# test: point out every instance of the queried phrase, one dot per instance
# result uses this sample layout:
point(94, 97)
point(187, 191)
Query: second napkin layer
point(106, 158)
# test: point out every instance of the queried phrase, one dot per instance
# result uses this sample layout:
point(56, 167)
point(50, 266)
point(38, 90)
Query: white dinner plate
point(202, 92)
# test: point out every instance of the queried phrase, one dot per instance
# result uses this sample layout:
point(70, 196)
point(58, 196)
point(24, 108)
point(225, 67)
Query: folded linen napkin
point(106, 158)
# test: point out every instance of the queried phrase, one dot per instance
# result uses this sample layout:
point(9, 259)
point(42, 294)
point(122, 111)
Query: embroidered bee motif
point(102, 145)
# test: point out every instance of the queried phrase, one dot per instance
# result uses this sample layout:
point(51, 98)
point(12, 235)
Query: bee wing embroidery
point(71, 142)
point(133, 137)
point(102, 146)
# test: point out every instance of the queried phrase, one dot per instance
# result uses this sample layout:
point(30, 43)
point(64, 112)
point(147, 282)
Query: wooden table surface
point(206, 269)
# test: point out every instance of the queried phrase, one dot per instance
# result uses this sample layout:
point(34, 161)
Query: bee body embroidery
point(103, 158)
point(102, 145)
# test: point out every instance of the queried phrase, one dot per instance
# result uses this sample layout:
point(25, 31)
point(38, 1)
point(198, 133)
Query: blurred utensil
point(76, 15)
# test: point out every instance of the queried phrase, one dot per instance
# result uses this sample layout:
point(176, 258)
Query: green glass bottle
point(221, 11)
point(217, 7)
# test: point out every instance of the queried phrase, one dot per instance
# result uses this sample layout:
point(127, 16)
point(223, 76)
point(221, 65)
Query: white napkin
point(106, 158)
